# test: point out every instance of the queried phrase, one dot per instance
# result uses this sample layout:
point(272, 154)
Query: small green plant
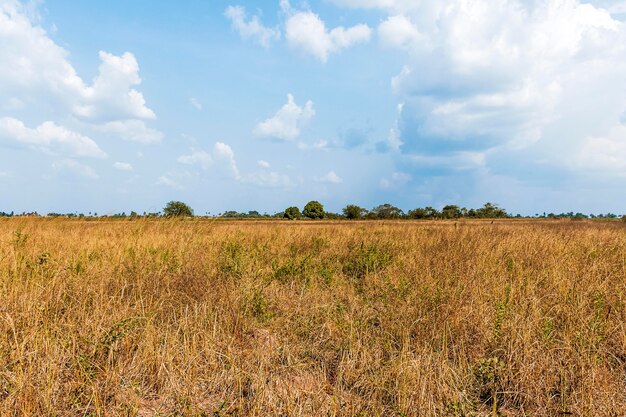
point(19, 240)
point(259, 307)
point(365, 260)
point(232, 259)
point(488, 374)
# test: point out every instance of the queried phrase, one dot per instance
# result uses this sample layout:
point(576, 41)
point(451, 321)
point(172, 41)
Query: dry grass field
point(269, 318)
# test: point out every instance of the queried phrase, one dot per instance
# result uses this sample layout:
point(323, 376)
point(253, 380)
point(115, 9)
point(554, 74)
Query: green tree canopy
point(314, 210)
point(490, 211)
point(387, 211)
point(354, 212)
point(177, 209)
point(451, 212)
point(292, 213)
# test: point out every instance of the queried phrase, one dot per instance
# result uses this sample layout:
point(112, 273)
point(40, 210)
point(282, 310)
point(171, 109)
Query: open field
point(202, 318)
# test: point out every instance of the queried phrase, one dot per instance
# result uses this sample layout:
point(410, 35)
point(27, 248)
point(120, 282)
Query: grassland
point(201, 318)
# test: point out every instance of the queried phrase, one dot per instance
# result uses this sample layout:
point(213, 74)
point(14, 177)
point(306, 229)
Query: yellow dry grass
point(205, 318)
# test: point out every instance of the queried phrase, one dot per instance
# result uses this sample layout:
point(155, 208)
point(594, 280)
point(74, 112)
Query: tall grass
point(198, 318)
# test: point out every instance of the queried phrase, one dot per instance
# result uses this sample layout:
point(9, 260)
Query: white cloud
point(50, 138)
point(36, 67)
point(197, 157)
point(225, 156)
point(36, 75)
point(195, 103)
point(604, 154)
point(331, 178)
point(252, 28)
point(111, 95)
point(287, 122)
point(132, 130)
point(398, 31)
point(123, 166)
point(75, 168)
point(221, 159)
point(307, 32)
point(320, 145)
point(485, 82)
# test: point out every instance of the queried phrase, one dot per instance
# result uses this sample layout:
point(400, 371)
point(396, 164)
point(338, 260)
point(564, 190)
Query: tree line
point(314, 210)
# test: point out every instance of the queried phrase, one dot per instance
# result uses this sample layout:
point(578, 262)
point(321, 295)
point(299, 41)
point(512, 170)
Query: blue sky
point(118, 106)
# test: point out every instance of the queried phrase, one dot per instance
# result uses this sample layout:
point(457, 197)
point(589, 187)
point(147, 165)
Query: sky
point(124, 105)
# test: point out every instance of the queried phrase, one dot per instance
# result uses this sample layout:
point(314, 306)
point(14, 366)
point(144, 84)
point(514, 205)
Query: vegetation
point(292, 213)
point(353, 212)
point(314, 210)
point(204, 318)
point(177, 209)
point(387, 211)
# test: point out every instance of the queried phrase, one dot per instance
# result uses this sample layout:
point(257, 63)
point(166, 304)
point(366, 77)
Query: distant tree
point(313, 210)
point(451, 212)
point(177, 209)
point(491, 211)
point(418, 213)
point(354, 212)
point(432, 213)
point(387, 211)
point(292, 213)
point(332, 216)
point(230, 214)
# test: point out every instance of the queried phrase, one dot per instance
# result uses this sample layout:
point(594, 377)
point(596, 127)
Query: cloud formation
point(506, 88)
point(49, 138)
point(251, 28)
point(287, 122)
point(306, 32)
point(36, 75)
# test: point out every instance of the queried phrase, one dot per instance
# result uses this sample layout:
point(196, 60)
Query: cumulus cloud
point(398, 31)
point(132, 130)
point(251, 28)
point(331, 178)
point(287, 122)
point(221, 158)
point(37, 75)
point(306, 32)
point(197, 157)
point(50, 138)
point(221, 161)
point(36, 66)
point(111, 95)
point(505, 88)
point(123, 166)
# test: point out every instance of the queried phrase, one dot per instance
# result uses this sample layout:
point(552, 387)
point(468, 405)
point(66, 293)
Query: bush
point(354, 212)
point(177, 209)
point(314, 210)
point(292, 213)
